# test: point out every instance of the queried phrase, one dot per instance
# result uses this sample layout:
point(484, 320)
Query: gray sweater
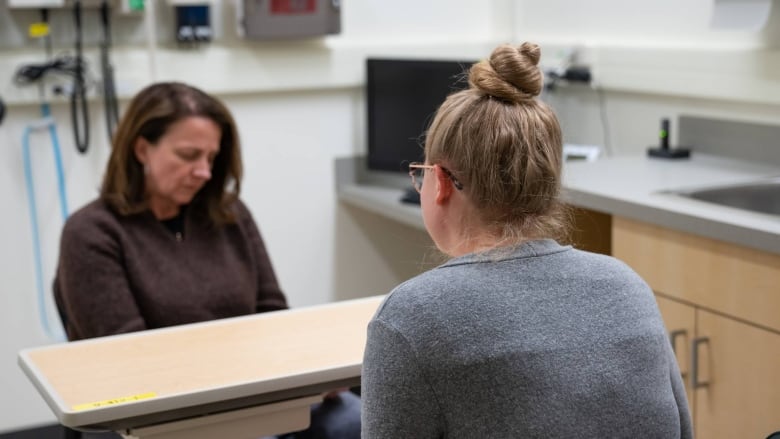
point(542, 341)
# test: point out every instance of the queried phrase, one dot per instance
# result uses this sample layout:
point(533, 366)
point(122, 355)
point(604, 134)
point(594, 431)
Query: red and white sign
point(292, 7)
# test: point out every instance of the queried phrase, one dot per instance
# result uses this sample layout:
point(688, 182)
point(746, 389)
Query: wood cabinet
point(680, 320)
point(741, 364)
point(591, 230)
point(721, 304)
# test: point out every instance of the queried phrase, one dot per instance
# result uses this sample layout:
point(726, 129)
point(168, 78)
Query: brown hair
point(504, 146)
point(151, 112)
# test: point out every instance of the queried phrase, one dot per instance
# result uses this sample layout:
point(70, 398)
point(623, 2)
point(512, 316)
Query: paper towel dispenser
point(286, 19)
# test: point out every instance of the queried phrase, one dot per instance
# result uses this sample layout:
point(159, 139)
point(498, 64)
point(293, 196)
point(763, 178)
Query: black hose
point(47, 37)
point(79, 108)
point(109, 88)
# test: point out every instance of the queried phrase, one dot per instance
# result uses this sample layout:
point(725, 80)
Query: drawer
point(726, 278)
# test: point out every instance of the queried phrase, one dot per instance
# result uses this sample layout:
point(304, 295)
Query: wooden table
point(240, 377)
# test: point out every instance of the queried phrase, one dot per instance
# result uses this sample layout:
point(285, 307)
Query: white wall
point(681, 23)
point(652, 60)
point(300, 104)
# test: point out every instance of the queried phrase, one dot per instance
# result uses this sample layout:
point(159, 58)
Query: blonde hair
point(504, 146)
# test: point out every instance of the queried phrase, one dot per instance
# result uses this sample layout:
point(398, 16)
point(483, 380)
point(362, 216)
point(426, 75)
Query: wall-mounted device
point(569, 68)
point(572, 74)
point(287, 19)
point(193, 23)
point(193, 20)
point(131, 6)
point(125, 7)
point(35, 4)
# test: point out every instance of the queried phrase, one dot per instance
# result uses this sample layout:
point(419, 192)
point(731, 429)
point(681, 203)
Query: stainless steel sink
point(760, 196)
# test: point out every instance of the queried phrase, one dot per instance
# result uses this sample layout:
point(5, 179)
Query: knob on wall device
point(663, 150)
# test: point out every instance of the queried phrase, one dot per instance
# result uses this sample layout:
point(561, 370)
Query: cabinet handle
point(673, 336)
point(695, 362)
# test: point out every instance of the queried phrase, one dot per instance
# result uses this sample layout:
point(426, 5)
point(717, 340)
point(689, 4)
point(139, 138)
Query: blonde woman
point(516, 335)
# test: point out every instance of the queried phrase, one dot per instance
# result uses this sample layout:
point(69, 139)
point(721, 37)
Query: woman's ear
point(443, 185)
point(141, 148)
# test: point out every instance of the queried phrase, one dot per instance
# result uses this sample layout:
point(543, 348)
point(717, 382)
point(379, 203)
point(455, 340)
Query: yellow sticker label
point(37, 30)
point(115, 401)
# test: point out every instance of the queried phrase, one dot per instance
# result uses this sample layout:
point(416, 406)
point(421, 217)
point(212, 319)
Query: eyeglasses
point(417, 172)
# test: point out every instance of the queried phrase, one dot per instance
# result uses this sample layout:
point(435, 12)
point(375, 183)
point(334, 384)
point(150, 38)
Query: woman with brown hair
point(516, 335)
point(168, 241)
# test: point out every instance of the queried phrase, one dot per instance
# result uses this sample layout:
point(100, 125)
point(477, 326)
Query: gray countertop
point(632, 186)
point(636, 187)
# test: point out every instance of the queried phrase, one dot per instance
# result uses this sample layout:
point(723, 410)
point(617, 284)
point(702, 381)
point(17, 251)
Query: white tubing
point(40, 124)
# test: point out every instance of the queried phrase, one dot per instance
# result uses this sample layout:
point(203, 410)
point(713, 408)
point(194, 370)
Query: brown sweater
point(120, 274)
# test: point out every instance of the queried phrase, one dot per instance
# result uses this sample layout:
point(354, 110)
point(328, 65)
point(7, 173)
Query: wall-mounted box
point(286, 19)
point(125, 6)
point(35, 4)
point(132, 6)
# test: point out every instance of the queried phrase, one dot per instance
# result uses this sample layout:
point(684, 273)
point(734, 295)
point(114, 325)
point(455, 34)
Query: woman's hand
point(333, 394)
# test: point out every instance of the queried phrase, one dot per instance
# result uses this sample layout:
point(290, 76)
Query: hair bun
point(511, 73)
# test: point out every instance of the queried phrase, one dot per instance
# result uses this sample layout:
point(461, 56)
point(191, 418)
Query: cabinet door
point(734, 280)
point(741, 365)
point(680, 323)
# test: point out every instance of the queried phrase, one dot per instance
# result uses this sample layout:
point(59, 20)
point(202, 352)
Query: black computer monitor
point(402, 98)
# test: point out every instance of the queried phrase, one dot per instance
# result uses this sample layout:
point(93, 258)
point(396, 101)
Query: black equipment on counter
point(663, 150)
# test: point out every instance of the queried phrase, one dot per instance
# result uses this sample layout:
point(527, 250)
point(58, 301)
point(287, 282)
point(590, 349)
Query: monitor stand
point(411, 196)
